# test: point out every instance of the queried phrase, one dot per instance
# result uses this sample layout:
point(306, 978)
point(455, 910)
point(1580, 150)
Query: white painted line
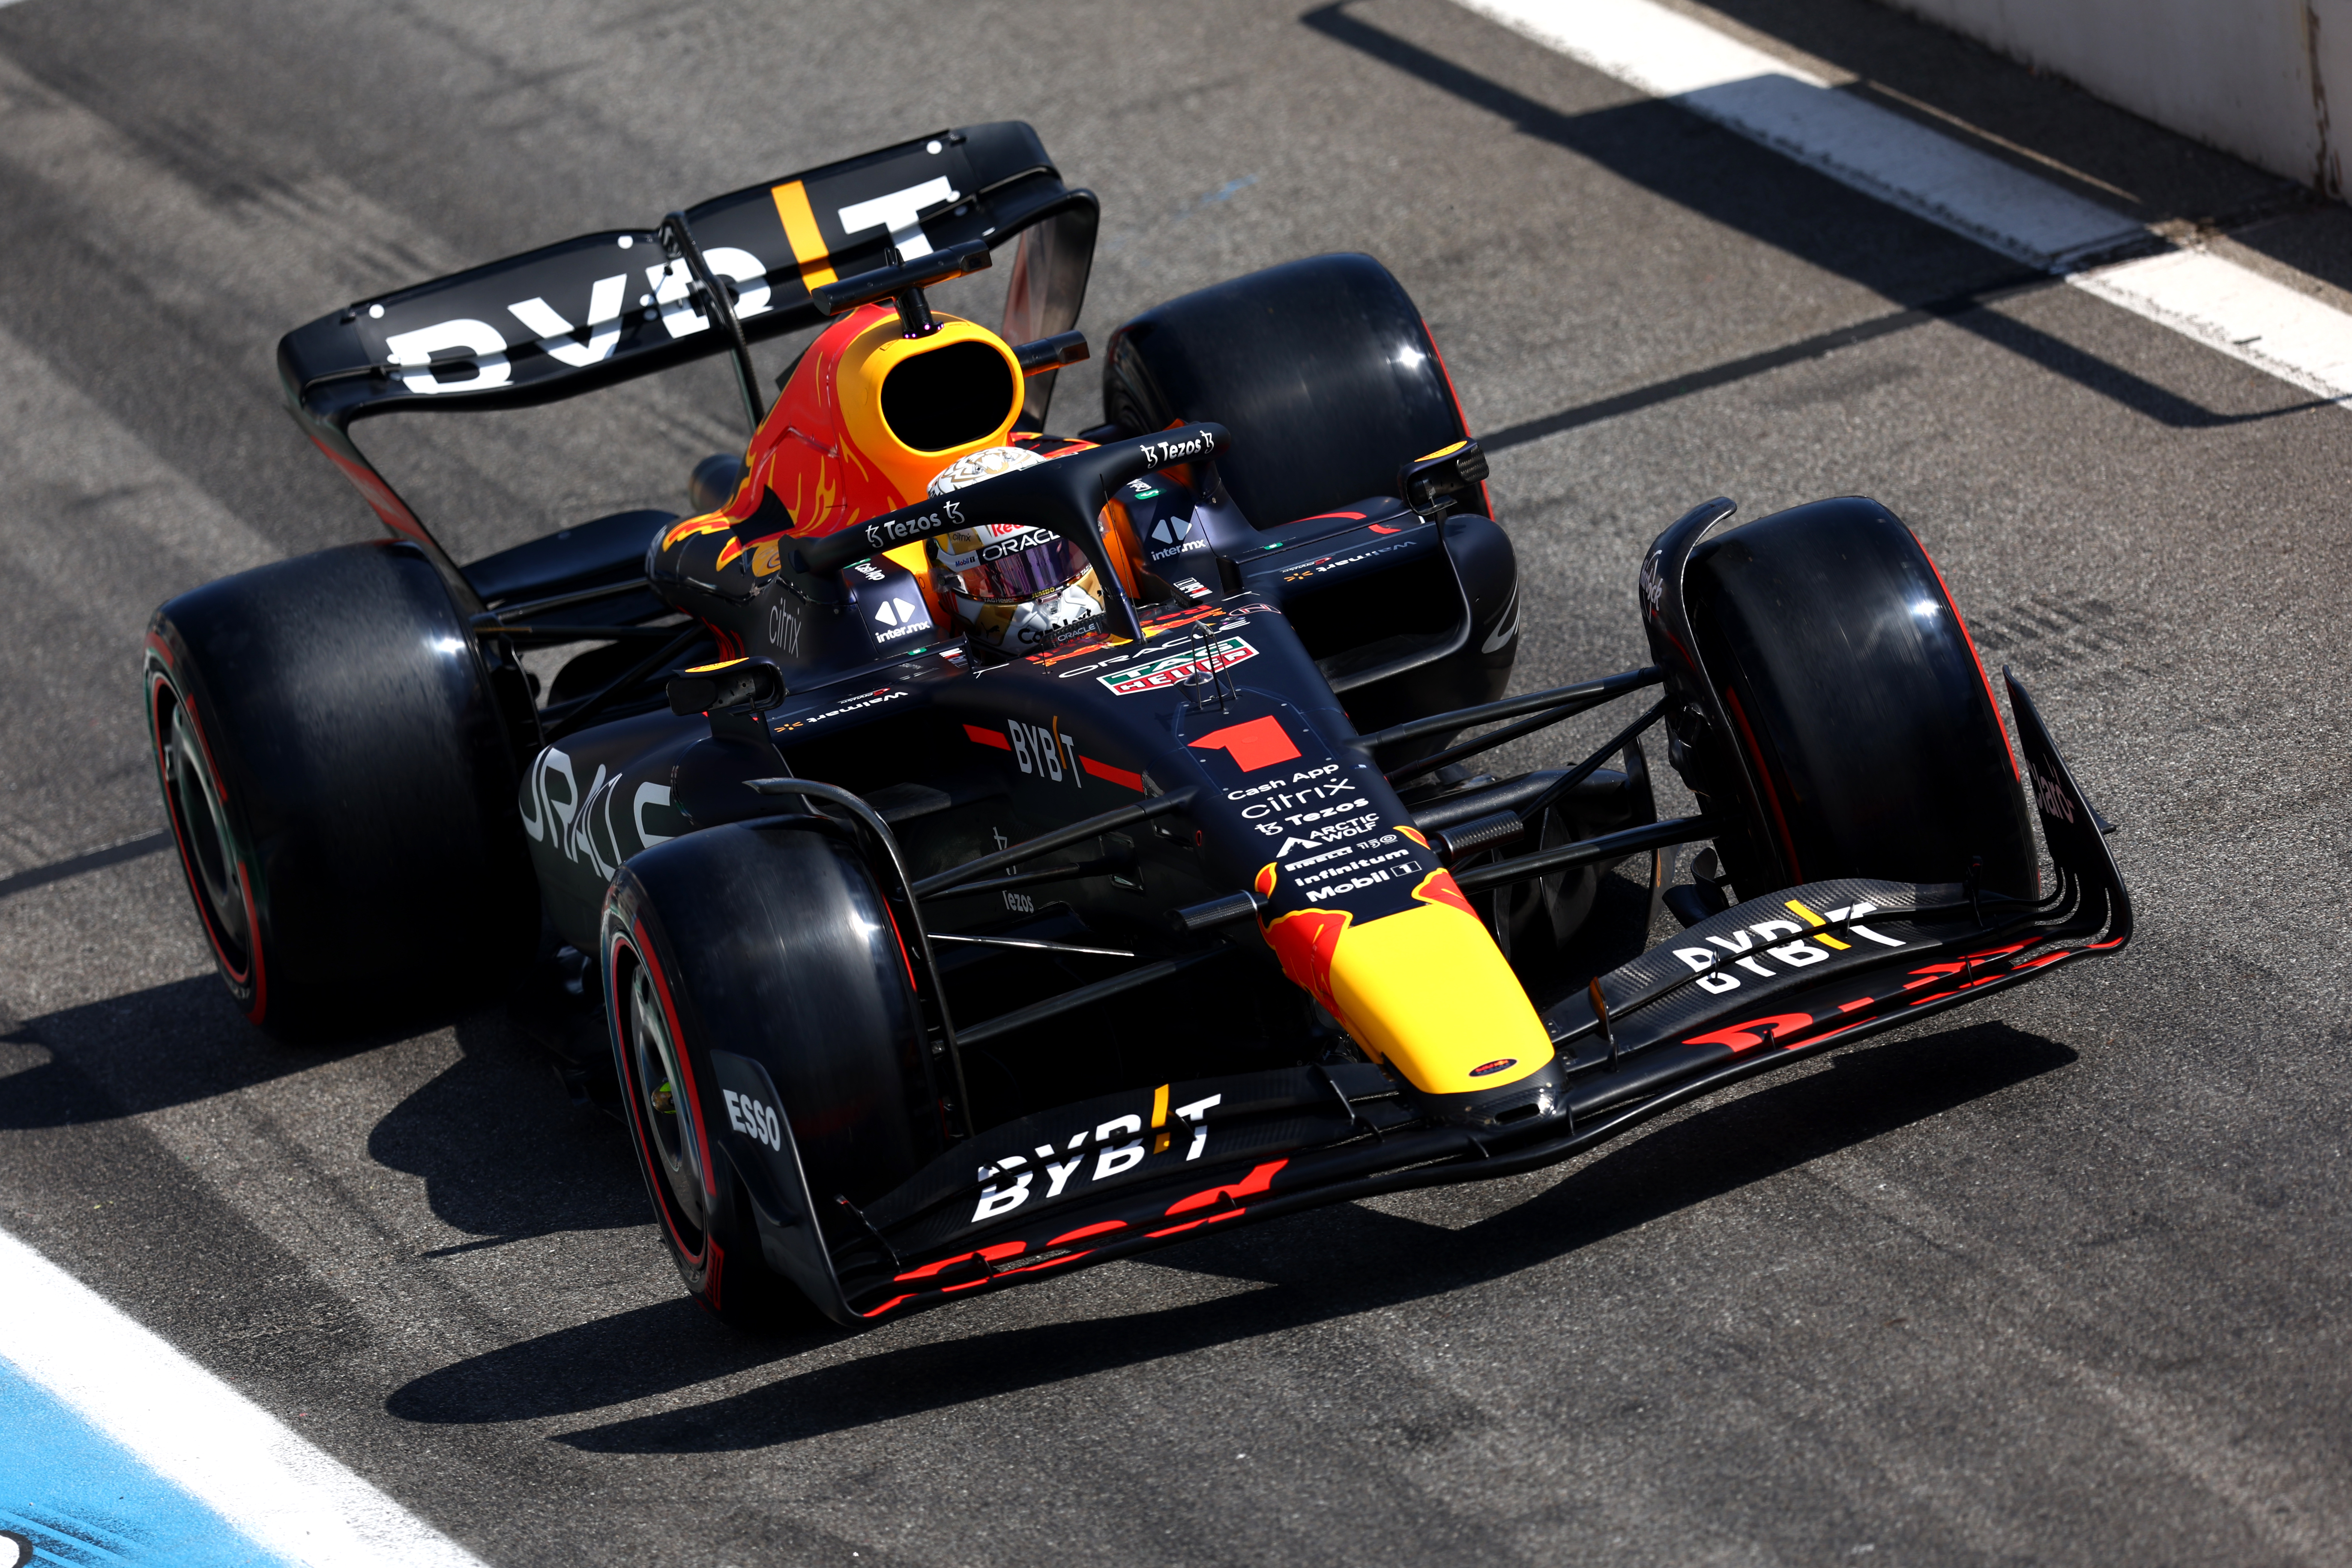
point(1906, 165)
point(196, 1432)
point(1795, 113)
point(2237, 311)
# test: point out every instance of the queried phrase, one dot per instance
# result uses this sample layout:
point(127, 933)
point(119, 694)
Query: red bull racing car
point(978, 853)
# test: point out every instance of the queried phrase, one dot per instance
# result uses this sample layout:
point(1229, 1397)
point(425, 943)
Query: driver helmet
point(1014, 587)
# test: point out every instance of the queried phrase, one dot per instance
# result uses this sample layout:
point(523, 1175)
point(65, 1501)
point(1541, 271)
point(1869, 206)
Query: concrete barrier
point(2256, 78)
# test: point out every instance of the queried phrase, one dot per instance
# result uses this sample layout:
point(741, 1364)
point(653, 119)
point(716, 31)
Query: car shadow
point(503, 1150)
point(1335, 1263)
point(169, 1045)
point(645, 1351)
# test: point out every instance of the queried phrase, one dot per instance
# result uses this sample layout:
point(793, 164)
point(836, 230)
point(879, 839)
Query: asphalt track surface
point(2060, 1280)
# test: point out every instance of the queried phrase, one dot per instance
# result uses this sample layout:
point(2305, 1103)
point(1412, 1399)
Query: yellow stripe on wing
point(792, 210)
point(1811, 918)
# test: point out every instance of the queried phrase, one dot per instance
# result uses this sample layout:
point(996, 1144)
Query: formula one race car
point(984, 854)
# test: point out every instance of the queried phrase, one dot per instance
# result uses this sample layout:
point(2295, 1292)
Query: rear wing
point(603, 309)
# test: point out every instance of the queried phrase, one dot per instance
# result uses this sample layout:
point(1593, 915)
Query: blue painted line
point(77, 1497)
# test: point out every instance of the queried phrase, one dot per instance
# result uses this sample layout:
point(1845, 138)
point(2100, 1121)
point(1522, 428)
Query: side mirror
point(754, 684)
point(1428, 484)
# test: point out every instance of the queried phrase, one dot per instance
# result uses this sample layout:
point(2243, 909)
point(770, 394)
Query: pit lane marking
point(2203, 297)
point(188, 1453)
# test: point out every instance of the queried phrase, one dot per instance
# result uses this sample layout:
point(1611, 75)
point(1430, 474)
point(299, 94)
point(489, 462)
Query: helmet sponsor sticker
point(1038, 624)
point(1155, 674)
point(991, 542)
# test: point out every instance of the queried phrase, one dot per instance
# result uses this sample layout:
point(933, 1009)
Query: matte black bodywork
point(962, 758)
point(1086, 1046)
point(594, 799)
point(1765, 985)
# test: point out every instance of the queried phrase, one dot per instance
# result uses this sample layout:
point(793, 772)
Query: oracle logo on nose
point(1494, 1067)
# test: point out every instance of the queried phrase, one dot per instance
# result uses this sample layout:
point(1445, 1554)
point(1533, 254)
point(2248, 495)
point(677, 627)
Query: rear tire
point(337, 777)
point(1322, 369)
point(1328, 378)
point(1860, 704)
point(769, 941)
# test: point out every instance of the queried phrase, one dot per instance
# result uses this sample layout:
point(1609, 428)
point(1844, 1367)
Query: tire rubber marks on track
point(2047, 629)
point(2299, 1507)
point(93, 503)
point(156, 531)
point(305, 239)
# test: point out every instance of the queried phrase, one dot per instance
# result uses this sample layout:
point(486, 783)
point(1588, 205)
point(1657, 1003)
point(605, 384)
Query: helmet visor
point(994, 562)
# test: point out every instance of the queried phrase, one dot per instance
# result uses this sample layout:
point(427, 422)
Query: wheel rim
point(202, 818)
point(1534, 916)
point(665, 1107)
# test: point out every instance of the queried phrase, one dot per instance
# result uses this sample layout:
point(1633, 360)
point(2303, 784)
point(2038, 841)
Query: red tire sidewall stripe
point(903, 957)
point(203, 742)
point(1764, 781)
point(685, 1062)
point(1986, 681)
point(1982, 678)
point(638, 944)
point(252, 975)
point(253, 924)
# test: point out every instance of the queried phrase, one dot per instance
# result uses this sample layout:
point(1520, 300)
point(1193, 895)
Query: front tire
point(1859, 704)
point(772, 1056)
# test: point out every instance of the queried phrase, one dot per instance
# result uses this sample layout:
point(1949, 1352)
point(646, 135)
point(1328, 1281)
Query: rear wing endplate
point(603, 309)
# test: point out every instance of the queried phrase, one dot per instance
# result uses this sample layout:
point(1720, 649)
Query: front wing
point(1760, 986)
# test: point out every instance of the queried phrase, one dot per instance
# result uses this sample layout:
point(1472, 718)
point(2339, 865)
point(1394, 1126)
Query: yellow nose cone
point(1424, 991)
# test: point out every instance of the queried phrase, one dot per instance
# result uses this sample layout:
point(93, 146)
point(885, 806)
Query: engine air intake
point(952, 395)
